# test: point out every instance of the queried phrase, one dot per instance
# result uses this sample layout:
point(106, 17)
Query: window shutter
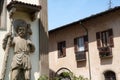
point(86, 42)
point(98, 40)
point(75, 44)
point(111, 42)
point(58, 50)
point(58, 46)
point(61, 49)
point(64, 51)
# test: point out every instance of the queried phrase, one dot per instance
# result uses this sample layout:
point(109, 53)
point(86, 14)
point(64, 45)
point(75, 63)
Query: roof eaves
point(19, 3)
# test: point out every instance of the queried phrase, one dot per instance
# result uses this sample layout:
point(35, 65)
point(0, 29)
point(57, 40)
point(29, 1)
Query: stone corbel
point(12, 11)
point(34, 16)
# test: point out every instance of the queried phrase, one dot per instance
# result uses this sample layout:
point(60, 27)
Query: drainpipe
point(86, 30)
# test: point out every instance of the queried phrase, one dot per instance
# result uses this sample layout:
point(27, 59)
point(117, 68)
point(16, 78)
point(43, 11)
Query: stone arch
point(109, 75)
point(61, 71)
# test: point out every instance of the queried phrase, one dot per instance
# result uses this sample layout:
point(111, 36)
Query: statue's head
point(20, 26)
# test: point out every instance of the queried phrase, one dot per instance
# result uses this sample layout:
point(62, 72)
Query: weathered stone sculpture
point(21, 65)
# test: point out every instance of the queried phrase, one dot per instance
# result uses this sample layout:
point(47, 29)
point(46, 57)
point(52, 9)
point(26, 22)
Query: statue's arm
point(5, 40)
point(31, 46)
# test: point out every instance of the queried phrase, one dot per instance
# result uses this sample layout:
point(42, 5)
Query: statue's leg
point(27, 74)
point(15, 74)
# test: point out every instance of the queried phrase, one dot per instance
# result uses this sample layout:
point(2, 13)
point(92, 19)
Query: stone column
point(43, 35)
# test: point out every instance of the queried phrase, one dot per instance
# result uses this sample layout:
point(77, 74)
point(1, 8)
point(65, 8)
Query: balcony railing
point(105, 52)
point(80, 56)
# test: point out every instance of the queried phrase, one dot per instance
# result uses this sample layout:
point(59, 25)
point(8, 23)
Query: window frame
point(104, 38)
point(80, 44)
point(61, 49)
point(109, 42)
point(81, 55)
point(105, 42)
point(85, 38)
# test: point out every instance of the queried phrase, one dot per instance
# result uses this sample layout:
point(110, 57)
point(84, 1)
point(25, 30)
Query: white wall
point(34, 38)
point(2, 33)
point(30, 1)
point(5, 24)
point(35, 56)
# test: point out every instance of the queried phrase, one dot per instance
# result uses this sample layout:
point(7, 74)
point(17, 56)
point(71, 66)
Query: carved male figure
point(21, 66)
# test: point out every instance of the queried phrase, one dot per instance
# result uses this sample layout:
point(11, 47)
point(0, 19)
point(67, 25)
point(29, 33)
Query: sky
point(62, 12)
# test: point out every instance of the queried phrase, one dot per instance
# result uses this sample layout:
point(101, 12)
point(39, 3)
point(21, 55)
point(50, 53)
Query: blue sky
point(62, 12)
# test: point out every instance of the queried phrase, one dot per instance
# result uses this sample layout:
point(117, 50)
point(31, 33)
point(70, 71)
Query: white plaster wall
point(2, 53)
point(5, 25)
point(35, 55)
point(2, 33)
point(29, 1)
point(34, 38)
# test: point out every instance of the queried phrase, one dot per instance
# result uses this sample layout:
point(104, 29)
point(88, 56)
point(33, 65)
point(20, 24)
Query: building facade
point(88, 47)
point(39, 26)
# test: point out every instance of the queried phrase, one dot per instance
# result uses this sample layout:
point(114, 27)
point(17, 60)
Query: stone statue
point(21, 65)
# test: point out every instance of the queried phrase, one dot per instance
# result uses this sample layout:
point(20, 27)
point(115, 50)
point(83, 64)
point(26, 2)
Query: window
point(81, 46)
point(105, 42)
point(104, 38)
point(61, 49)
point(109, 75)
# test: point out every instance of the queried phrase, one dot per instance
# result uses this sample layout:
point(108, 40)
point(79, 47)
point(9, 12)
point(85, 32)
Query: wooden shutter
point(59, 52)
point(64, 48)
point(64, 51)
point(111, 42)
point(86, 42)
point(61, 49)
point(98, 40)
point(75, 44)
